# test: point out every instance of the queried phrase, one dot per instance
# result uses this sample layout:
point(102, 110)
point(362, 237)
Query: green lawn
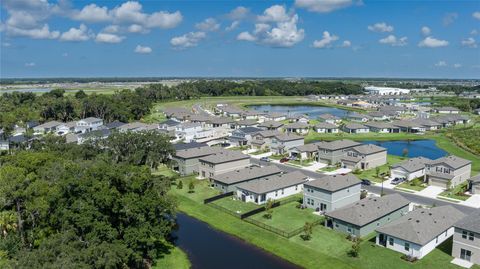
point(287, 217)
point(164, 171)
point(301, 163)
point(457, 192)
point(277, 157)
point(414, 184)
point(202, 189)
point(371, 174)
point(328, 169)
point(175, 259)
point(235, 205)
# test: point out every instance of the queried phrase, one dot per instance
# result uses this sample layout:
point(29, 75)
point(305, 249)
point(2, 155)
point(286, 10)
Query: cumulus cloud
point(476, 15)
point(109, 38)
point(431, 42)
point(132, 12)
point(238, 13)
point(275, 13)
point(31, 64)
point(324, 6)
point(449, 18)
point(36, 33)
point(142, 49)
point(76, 34)
point(326, 41)
point(469, 42)
point(188, 40)
point(208, 25)
point(92, 13)
point(380, 27)
point(346, 44)
point(246, 36)
point(426, 31)
point(441, 64)
point(136, 28)
point(394, 41)
point(474, 32)
point(234, 25)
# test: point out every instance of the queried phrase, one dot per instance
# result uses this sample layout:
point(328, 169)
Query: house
point(186, 161)
point(114, 125)
point(263, 139)
point(282, 143)
point(93, 135)
point(409, 126)
point(169, 125)
point(177, 113)
point(447, 171)
point(243, 136)
point(246, 123)
point(299, 118)
point(47, 127)
point(428, 124)
point(191, 145)
point(250, 115)
point(66, 127)
point(382, 127)
point(364, 157)
point(137, 127)
point(329, 118)
point(474, 184)
point(332, 152)
point(477, 111)
point(222, 162)
point(380, 115)
point(358, 117)
point(222, 122)
point(363, 217)
point(89, 124)
point(410, 169)
point(331, 192)
point(188, 131)
point(466, 239)
point(307, 151)
point(272, 187)
point(446, 110)
point(228, 182)
point(420, 231)
point(4, 145)
point(355, 128)
point(274, 116)
point(270, 125)
point(325, 127)
point(297, 127)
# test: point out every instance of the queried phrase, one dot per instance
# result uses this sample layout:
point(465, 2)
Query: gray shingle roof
point(296, 125)
point(368, 149)
point(423, 225)
point(271, 124)
point(246, 174)
point(334, 182)
point(48, 124)
point(337, 144)
point(288, 137)
point(328, 116)
point(246, 122)
point(268, 133)
point(475, 179)
point(380, 125)
point(274, 182)
point(369, 209)
point(221, 120)
point(470, 222)
point(191, 145)
point(452, 161)
point(249, 130)
point(413, 164)
point(311, 147)
point(224, 156)
point(197, 152)
point(353, 126)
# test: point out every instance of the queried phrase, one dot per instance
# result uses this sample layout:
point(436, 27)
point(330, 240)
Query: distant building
point(385, 90)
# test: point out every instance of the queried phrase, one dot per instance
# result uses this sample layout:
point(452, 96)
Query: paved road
point(199, 110)
point(375, 189)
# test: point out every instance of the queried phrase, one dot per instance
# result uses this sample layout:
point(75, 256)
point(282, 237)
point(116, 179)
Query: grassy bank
point(175, 259)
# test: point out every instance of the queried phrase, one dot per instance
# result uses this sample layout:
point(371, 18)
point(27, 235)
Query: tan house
point(475, 184)
point(222, 162)
point(364, 157)
point(447, 171)
point(466, 239)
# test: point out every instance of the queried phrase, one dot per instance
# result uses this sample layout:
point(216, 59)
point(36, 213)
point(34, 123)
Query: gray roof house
point(50, 126)
point(270, 125)
point(282, 143)
point(333, 152)
point(475, 184)
point(222, 162)
point(246, 123)
point(331, 192)
point(355, 128)
point(326, 127)
point(364, 157)
point(446, 110)
point(382, 127)
point(329, 118)
point(363, 217)
point(447, 171)
point(466, 240)
point(227, 182)
point(410, 169)
point(272, 187)
point(186, 160)
point(243, 136)
point(420, 231)
point(297, 127)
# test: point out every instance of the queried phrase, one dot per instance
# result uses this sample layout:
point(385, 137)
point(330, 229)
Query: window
point(464, 234)
point(349, 229)
point(390, 241)
point(407, 246)
point(282, 191)
point(470, 236)
point(276, 193)
point(436, 240)
point(336, 225)
point(465, 254)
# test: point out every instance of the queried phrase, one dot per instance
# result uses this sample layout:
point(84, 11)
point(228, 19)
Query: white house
point(374, 90)
point(446, 110)
point(188, 131)
point(420, 231)
point(88, 124)
point(410, 169)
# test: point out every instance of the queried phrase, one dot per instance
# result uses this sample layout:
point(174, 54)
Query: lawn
point(328, 169)
point(371, 174)
point(235, 205)
point(305, 162)
point(164, 171)
point(457, 192)
point(415, 184)
point(277, 157)
point(287, 217)
point(175, 259)
point(201, 192)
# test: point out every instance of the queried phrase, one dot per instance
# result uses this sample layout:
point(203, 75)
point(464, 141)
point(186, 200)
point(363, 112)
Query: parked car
point(366, 182)
point(292, 158)
point(265, 159)
point(284, 160)
point(397, 180)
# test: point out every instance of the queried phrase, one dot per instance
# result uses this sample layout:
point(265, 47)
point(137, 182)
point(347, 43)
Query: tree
point(268, 209)
point(307, 231)
point(355, 248)
point(191, 187)
point(377, 171)
point(180, 185)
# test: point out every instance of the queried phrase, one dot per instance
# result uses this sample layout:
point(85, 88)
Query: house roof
point(48, 124)
point(271, 124)
point(475, 179)
point(367, 149)
point(96, 133)
point(221, 120)
point(407, 124)
point(452, 161)
point(249, 130)
point(245, 174)
point(470, 222)
point(191, 145)
point(328, 116)
point(268, 133)
point(246, 122)
point(296, 125)
point(356, 115)
point(369, 209)
point(325, 125)
point(353, 126)
point(170, 123)
point(447, 108)
point(274, 182)
point(311, 147)
point(114, 124)
point(423, 225)
point(224, 156)
point(413, 164)
point(337, 144)
point(288, 137)
point(197, 152)
point(334, 182)
point(91, 119)
point(380, 125)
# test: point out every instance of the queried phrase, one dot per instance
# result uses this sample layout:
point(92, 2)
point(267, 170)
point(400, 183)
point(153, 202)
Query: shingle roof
point(191, 145)
point(268, 133)
point(170, 123)
point(296, 125)
point(475, 179)
point(369, 209)
point(221, 120)
point(197, 152)
point(271, 124)
point(470, 222)
point(91, 119)
point(452, 161)
point(249, 130)
point(274, 182)
point(380, 125)
point(48, 124)
point(311, 147)
point(413, 164)
point(246, 122)
point(337, 144)
point(353, 125)
point(328, 116)
point(245, 174)
point(334, 182)
point(288, 137)
point(224, 156)
point(423, 225)
point(368, 149)
point(447, 108)
point(114, 124)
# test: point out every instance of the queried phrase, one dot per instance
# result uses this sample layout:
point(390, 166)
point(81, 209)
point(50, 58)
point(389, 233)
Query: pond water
point(34, 90)
point(212, 249)
point(416, 148)
point(312, 111)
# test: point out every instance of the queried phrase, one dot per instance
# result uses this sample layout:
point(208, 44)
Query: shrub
point(409, 258)
point(180, 185)
point(191, 187)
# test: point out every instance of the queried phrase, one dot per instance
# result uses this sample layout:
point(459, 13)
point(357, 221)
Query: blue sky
point(301, 38)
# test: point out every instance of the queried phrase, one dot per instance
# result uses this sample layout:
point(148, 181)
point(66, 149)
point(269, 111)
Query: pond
point(212, 249)
point(416, 148)
point(312, 111)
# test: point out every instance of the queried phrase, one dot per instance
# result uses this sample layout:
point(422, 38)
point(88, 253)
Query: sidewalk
point(473, 201)
point(431, 191)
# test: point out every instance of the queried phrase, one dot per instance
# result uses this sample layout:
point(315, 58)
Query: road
point(414, 198)
point(199, 110)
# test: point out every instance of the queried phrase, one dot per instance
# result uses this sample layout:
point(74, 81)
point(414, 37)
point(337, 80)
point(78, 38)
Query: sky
point(227, 38)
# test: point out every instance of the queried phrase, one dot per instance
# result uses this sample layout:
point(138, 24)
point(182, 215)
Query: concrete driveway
point(431, 191)
point(473, 201)
point(266, 154)
point(338, 171)
point(315, 166)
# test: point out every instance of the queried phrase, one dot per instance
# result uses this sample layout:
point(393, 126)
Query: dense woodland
point(95, 205)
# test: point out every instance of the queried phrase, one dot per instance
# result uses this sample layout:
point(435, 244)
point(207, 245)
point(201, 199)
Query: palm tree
point(8, 222)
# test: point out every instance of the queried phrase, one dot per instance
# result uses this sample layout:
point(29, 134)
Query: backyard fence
point(217, 197)
point(225, 210)
point(278, 231)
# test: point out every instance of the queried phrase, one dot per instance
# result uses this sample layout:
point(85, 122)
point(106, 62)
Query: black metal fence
point(217, 197)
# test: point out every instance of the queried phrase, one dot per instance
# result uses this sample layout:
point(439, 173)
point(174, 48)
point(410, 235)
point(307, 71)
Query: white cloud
point(426, 31)
point(131, 12)
point(326, 41)
point(441, 64)
point(380, 27)
point(232, 26)
point(246, 36)
point(142, 50)
point(394, 41)
point(208, 25)
point(474, 32)
point(92, 13)
point(108, 38)
point(476, 15)
point(76, 34)
point(431, 42)
point(136, 28)
point(112, 29)
point(469, 42)
point(275, 13)
point(449, 18)
point(6, 44)
point(188, 40)
point(35, 33)
point(164, 20)
point(31, 64)
point(238, 13)
point(346, 44)
point(324, 6)
point(457, 65)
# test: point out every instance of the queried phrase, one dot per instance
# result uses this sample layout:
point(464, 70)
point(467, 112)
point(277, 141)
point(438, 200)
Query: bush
point(180, 185)
point(191, 187)
point(409, 258)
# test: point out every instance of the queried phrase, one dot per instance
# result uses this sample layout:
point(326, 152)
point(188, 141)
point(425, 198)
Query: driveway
point(431, 191)
point(473, 201)
point(338, 171)
point(315, 166)
point(387, 184)
point(266, 154)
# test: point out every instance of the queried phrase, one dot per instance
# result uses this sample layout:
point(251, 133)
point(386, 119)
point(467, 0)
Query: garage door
point(437, 182)
point(397, 173)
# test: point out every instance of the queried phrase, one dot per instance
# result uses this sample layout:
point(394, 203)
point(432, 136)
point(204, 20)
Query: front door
point(465, 254)
point(323, 207)
point(243, 197)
